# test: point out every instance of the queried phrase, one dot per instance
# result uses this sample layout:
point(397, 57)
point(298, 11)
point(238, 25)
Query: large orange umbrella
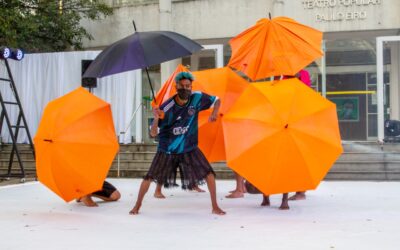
point(280, 46)
point(168, 88)
point(75, 144)
point(282, 136)
point(228, 86)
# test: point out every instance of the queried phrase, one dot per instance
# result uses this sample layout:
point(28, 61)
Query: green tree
point(47, 25)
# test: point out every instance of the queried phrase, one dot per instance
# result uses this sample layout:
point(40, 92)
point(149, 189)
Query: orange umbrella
point(228, 86)
point(280, 46)
point(282, 136)
point(75, 144)
point(168, 88)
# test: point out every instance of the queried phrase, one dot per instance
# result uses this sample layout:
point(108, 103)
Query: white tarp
point(40, 78)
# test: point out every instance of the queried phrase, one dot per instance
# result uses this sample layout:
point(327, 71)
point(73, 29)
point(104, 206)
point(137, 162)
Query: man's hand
point(156, 113)
point(212, 117)
point(214, 114)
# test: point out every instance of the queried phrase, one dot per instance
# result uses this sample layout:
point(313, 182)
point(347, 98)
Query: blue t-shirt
point(178, 129)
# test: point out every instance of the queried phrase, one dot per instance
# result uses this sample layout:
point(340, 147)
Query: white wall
point(207, 19)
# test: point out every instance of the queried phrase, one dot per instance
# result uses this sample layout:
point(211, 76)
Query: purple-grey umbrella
point(141, 50)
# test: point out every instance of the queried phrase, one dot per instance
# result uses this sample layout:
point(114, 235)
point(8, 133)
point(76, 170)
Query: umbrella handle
point(161, 113)
point(151, 86)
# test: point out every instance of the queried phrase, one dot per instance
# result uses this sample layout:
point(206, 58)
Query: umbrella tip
point(287, 125)
point(134, 25)
point(269, 15)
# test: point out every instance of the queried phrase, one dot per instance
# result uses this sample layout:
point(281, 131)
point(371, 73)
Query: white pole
point(139, 114)
point(379, 87)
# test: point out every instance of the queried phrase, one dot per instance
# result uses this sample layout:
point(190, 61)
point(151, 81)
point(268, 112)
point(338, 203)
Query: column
point(165, 8)
point(394, 81)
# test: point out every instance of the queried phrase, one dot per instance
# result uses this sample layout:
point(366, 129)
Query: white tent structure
point(40, 78)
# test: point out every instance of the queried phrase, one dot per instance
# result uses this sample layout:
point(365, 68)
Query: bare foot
point(135, 210)
point(87, 200)
point(199, 190)
point(218, 211)
point(284, 206)
point(235, 195)
point(265, 201)
point(285, 202)
point(298, 196)
point(159, 195)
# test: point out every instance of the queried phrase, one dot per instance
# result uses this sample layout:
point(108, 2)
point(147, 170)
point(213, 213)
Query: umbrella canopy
point(282, 136)
point(141, 50)
point(280, 46)
point(75, 144)
point(228, 86)
point(168, 88)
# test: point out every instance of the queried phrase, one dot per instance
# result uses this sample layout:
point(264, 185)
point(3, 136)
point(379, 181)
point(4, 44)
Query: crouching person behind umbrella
point(177, 122)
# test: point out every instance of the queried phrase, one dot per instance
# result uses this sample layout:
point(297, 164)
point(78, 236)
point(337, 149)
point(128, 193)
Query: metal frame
point(219, 53)
point(379, 85)
point(17, 126)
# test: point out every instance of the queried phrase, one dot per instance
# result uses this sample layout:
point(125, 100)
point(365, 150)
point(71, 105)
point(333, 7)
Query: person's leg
point(107, 193)
point(265, 201)
point(239, 191)
point(144, 187)
point(300, 195)
point(116, 195)
point(285, 203)
point(213, 194)
point(158, 193)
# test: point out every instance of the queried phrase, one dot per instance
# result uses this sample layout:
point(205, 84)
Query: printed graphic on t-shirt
point(178, 129)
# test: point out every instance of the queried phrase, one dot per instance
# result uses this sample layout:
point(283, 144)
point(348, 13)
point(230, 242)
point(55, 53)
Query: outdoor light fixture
point(5, 52)
point(12, 53)
point(17, 54)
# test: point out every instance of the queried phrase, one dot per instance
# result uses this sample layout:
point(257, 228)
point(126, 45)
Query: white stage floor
point(338, 215)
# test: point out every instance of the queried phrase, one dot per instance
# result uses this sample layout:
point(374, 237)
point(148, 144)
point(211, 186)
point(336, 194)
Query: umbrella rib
point(302, 157)
point(317, 138)
point(262, 139)
point(260, 55)
point(54, 177)
point(300, 38)
point(80, 117)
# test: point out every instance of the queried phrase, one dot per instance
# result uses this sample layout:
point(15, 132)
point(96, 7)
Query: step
point(25, 154)
point(146, 147)
point(364, 175)
point(366, 166)
point(370, 156)
point(370, 147)
point(135, 156)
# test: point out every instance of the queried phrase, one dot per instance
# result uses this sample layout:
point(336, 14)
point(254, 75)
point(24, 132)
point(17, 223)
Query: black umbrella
point(141, 50)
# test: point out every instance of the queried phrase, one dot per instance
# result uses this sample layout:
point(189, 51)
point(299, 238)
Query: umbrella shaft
point(151, 86)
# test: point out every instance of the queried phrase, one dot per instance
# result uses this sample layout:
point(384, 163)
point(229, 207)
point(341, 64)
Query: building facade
point(346, 74)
